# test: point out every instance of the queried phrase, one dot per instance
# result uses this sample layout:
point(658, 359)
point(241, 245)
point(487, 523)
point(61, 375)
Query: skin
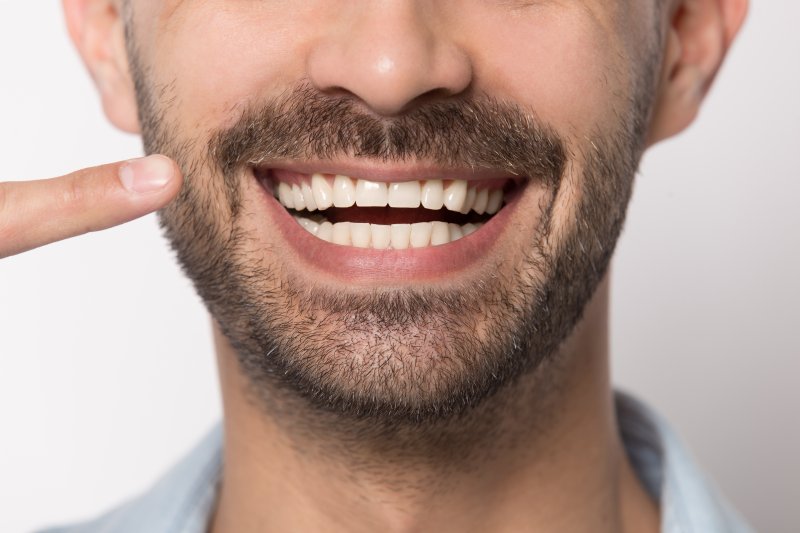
point(391, 56)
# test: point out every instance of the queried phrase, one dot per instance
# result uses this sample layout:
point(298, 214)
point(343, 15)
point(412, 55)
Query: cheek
point(563, 65)
point(558, 62)
point(217, 59)
point(570, 68)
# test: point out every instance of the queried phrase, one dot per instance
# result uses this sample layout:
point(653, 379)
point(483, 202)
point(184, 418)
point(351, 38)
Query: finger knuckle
point(77, 191)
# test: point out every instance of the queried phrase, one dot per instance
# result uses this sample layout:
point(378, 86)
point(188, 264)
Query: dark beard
point(439, 353)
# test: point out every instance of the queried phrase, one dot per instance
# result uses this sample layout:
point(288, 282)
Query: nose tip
point(389, 67)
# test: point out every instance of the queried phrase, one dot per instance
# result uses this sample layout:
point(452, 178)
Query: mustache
point(466, 132)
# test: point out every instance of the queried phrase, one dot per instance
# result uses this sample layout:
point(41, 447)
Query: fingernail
point(145, 175)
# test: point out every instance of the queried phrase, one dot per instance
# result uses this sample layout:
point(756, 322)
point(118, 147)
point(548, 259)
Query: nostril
point(435, 95)
point(390, 67)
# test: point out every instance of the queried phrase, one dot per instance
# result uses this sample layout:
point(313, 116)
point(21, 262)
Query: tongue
point(392, 215)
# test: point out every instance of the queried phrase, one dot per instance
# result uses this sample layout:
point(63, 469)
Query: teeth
point(325, 231)
point(404, 194)
point(344, 192)
point(432, 195)
point(308, 197)
point(455, 195)
point(371, 193)
point(421, 234)
point(495, 201)
point(341, 233)
point(285, 195)
point(297, 195)
point(469, 201)
point(382, 236)
point(440, 233)
point(481, 201)
point(321, 193)
point(455, 232)
point(360, 234)
point(310, 226)
point(401, 235)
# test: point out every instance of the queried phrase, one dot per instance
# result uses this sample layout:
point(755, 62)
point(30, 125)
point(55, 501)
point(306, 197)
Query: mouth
point(388, 226)
point(387, 215)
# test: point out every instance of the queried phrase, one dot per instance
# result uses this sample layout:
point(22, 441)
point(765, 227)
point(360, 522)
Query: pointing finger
point(35, 213)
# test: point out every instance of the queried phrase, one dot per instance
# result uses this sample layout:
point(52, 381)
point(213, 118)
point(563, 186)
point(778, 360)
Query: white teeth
point(341, 233)
point(308, 197)
point(440, 233)
point(421, 234)
point(323, 192)
point(325, 231)
point(311, 226)
point(495, 201)
point(297, 195)
point(285, 195)
point(469, 201)
point(344, 192)
point(360, 234)
point(404, 194)
point(455, 194)
point(401, 235)
point(432, 196)
point(455, 232)
point(481, 201)
point(371, 193)
point(381, 236)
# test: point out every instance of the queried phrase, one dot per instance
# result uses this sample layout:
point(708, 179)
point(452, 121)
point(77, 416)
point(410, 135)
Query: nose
point(389, 55)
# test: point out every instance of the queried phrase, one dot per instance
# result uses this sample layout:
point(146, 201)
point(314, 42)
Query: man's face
point(535, 112)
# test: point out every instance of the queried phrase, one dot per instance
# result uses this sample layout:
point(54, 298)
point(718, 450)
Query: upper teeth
point(342, 191)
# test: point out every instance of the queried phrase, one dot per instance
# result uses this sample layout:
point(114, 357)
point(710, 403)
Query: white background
point(106, 369)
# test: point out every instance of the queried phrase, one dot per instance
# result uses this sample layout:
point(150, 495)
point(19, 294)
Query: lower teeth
point(382, 237)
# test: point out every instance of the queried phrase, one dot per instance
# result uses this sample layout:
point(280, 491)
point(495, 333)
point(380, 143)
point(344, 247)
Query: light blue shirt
point(183, 499)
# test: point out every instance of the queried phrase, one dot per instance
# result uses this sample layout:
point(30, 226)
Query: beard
point(396, 356)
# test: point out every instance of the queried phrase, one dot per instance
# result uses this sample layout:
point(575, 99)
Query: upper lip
point(386, 172)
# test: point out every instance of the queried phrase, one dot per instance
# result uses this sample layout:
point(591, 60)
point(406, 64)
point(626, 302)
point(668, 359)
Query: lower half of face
point(405, 299)
point(402, 268)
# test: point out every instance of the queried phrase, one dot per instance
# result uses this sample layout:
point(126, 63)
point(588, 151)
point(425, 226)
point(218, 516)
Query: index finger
point(35, 213)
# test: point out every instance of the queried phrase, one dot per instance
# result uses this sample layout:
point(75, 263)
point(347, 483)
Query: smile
point(364, 226)
point(386, 215)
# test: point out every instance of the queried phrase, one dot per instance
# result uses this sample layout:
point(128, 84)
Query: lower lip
point(389, 266)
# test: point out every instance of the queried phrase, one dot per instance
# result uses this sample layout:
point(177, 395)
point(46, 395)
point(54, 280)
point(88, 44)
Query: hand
point(35, 213)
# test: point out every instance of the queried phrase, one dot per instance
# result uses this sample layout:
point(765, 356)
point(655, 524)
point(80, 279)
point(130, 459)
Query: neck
point(542, 455)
